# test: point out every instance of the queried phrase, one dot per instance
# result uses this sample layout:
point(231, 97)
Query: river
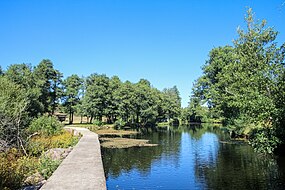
point(193, 157)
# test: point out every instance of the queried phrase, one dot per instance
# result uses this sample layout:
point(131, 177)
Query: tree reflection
point(116, 161)
point(237, 166)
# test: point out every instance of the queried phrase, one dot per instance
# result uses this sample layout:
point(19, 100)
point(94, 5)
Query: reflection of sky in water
point(172, 170)
point(198, 161)
point(206, 148)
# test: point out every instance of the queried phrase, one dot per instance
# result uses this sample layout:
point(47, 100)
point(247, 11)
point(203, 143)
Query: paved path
point(82, 169)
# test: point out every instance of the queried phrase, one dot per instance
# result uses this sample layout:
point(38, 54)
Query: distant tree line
point(28, 92)
point(243, 85)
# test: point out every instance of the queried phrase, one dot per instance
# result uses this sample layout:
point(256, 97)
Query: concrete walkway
point(82, 169)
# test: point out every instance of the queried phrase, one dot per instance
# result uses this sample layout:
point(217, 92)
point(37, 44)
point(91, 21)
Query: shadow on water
point(195, 156)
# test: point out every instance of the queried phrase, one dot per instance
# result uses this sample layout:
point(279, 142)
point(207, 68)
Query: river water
point(193, 157)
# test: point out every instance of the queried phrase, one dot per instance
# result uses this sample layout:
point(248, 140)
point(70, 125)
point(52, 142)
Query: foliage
point(47, 166)
point(242, 83)
point(98, 123)
point(39, 144)
point(136, 103)
point(48, 80)
point(13, 117)
point(45, 125)
point(71, 97)
point(23, 75)
point(14, 168)
point(119, 124)
point(264, 140)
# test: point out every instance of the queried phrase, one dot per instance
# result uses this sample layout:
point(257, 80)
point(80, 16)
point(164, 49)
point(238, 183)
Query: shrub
point(39, 144)
point(45, 125)
point(47, 166)
point(14, 168)
point(120, 124)
point(98, 123)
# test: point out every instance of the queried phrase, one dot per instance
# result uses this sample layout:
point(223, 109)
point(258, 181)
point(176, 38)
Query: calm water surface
point(191, 158)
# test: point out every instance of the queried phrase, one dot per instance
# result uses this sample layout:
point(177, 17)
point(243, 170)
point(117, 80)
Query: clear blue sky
point(164, 41)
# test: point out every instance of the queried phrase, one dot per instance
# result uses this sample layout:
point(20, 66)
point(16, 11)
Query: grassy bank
point(34, 165)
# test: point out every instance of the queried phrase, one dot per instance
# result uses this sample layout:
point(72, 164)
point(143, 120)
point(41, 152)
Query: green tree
point(95, 99)
point(1, 71)
point(172, 102)
point(125, 98)
point(242, 82)
point(113, 99)
point(72, 86)
point(22, 74)
point(48, 80)
point(13, 117)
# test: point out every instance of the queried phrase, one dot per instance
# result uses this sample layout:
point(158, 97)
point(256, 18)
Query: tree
point(22, 74)
point(242, 82)
point(172, 102)
point(72, 86)
point(13, 118)
point(113, 99)
point(126, 96)
point(1, 71)
point(97, 88)
point(48, 80)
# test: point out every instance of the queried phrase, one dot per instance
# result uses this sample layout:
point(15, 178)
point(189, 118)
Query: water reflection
point(191, 157)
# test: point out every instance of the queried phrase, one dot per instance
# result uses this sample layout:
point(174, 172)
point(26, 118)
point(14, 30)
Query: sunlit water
point(191, 158)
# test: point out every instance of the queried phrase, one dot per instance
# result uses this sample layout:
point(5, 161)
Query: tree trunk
point(70, 116)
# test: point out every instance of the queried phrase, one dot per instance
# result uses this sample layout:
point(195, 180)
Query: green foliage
point(71, 97)
point(14, 168)
point(98, 123)
point(119, 124)
point(264, 140)
point(47, 166)
point(45, 125)
point(242, 83)
point(48, 80)
point(39, 144)
point(135, 103)
point(13, 117)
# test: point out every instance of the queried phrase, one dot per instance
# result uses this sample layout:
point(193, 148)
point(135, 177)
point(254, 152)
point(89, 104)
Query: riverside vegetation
point(242, 86)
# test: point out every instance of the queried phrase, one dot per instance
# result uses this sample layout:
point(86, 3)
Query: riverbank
point(43, 156)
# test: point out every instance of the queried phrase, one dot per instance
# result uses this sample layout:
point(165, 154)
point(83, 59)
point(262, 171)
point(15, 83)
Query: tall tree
point(48, 80)
point(13, 117)
point(172, 102)
point(242, 82)
point(72, 86)
point(22, 74)
point(97, 89)
point(113, 99)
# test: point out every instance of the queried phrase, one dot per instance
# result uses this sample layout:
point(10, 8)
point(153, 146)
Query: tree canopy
point(244, 83)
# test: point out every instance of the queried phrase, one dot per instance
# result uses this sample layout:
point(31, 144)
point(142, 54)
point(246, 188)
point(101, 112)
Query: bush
point(98, 123)
point(47, 166)
point(39, 144)
point(120, 124)
point(45, 125)
point(14, 169)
